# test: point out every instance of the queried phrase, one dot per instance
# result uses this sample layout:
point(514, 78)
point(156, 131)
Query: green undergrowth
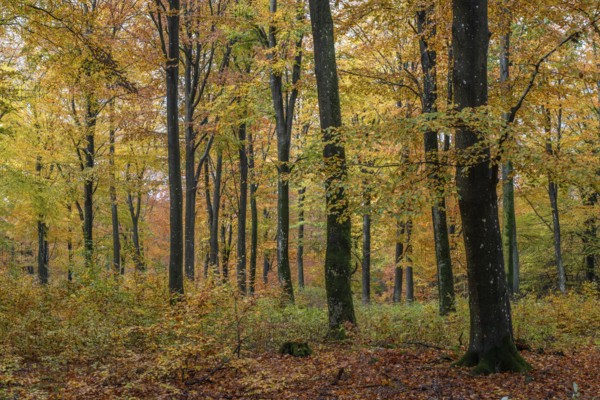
point(104, 319)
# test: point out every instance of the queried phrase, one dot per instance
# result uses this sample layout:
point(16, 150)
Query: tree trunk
point(174, 159)
point(509, 221)
point(337, 254)
point(284, 105)
point(427, 29)
point(241, 229)
point(191, 183)
point(253, 215)
point(300, 250)
point(209, 212)
point(560, 268)
point(116, 238)
point(590, 238)
point(410, 287)
point(397, 297)
point(42, 257)
point(134, 212)
point(366, 260)
point(266, 253)
point(88, 184)
point(491, 346)
point(216, 205)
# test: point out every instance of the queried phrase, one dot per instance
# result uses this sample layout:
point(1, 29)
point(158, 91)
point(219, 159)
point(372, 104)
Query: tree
point(427, 29)
point(337, 253)
point(170, 48)
point(491, 346)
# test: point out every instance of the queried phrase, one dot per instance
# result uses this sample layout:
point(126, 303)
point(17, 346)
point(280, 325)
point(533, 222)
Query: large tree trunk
point(174, 159)
point(241, 228)
point(491, 346)
point(300, 249)
point(427, 29)
point(337, 254)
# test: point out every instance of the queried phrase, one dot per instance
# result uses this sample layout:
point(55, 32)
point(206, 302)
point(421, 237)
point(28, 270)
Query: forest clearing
point(303, 199)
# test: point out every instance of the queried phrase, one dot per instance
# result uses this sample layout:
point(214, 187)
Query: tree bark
point(243, 206)
point(43, 255)
point(509, 221)
point(337, 254)
point(191, 182)
point(410, 286)
point(397, 297)
point(300, 249)
point(491, 347)
point(174, 159)
point(216, 205)
point(116, 238)
point(427, 29)
point(253, 215)
point(88, 184)
point(209, 212)
point(553, 196)
point(366, 260)
point(284, 105)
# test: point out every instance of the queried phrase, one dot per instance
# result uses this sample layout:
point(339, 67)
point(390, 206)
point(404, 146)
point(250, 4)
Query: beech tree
point(491, 344)
point(337, 254)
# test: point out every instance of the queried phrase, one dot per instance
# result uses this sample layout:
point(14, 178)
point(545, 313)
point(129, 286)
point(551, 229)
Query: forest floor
point(109, 339)
point(334, 371)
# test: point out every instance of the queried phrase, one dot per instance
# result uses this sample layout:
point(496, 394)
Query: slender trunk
point(70, 254)
point(116, 238)
point(509, 231)
point(253, 237)
point(590, 238)
point(553, 196)
point(88, 185)
point(190, 165)
point(366, 260)
point(266, 253)
point(241, 229)
point(300, 250)
point(509, 221)
point(410, 287)
point(135, 206)
point(224, 249)
point(491, 346)
point(174, 159)
point(283, 104)
point(42, 229)
point(560, 268)
point(337, 253)
point(216, 205)
point(427, 29)
point(42, 257)
point(397, 297)
point(209, 211)
point(253, 215)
